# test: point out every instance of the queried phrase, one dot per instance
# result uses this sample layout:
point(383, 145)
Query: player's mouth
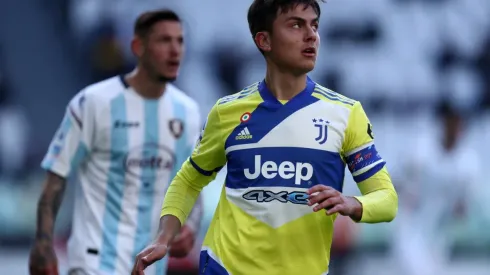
point(309, 52)
point(173, 64)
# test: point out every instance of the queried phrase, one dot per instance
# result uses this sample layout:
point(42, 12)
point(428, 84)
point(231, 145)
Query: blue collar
point(272, 102)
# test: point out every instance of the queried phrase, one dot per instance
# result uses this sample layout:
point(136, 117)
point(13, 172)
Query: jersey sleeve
point(209, 155)
point(359, 150)
point(379, 199)
point(195, 217)
point(72, 141)
point(198, 171)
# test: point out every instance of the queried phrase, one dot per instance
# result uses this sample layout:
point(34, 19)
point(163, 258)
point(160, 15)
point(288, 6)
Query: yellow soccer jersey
point(274, 152)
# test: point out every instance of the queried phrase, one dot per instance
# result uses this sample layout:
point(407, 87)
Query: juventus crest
point(322, 126)
point(176, 127)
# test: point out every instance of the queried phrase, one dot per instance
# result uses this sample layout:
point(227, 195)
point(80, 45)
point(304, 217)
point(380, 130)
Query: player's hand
point(334, 202)
point(42, 259)
point(148, 256)
point(183, 243)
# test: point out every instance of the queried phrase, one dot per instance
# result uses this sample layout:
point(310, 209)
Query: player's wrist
point(44, 240)
point(355, 209)
point(163, 239)
point(189, 225)
point(169, 228)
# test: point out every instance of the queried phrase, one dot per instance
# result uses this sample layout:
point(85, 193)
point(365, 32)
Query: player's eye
point(164, 39)
point(315, 27)
point(296, 26)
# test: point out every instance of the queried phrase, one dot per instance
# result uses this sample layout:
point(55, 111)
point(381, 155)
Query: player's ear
point(263, 41)
point(137, 46)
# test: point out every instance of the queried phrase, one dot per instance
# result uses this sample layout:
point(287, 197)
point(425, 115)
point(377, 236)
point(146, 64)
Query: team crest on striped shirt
point(176, 127)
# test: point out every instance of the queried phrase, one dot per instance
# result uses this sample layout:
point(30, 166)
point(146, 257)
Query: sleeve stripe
point(367, 168)
point(202, 171)
point(369, 173)
point(77, 119)
point(348, 154)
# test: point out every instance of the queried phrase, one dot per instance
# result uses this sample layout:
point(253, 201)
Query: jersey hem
point(59, 171)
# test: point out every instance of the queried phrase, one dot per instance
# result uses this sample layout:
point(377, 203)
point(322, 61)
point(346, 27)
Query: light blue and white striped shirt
point(126, 149)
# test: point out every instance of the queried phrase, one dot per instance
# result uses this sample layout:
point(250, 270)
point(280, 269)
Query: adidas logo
point(244, 134)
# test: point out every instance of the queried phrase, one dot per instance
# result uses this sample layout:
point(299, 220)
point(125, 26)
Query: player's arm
point(184, 242)
point(379, 200)
point(195, 217)
point(198, 171)
point(42, 260)
point(67, 149)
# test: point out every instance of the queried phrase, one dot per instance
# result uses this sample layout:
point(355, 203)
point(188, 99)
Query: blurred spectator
point(106, 54)
point(13, 132)
point(434, 192)
point(228, 67)
point(483, 64)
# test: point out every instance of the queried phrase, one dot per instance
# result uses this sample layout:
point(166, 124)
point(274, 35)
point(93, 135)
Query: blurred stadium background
point(400, 58)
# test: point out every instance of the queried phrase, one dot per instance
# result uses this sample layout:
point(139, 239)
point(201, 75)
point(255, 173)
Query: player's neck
point(144, 85)
point(284, 85)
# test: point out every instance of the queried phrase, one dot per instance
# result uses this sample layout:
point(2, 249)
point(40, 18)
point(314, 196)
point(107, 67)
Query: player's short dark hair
point(148, 19)
point(262, 13)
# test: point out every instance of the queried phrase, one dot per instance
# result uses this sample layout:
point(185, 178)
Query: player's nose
point(176, 49)
point(311, 34)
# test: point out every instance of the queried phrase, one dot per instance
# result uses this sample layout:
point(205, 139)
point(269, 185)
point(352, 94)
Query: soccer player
point(286, 141)
point(126, 136)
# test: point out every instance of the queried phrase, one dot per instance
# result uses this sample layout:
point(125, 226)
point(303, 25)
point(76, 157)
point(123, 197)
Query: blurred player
point(434, 190)
point(286, 141)
point(126, 137)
